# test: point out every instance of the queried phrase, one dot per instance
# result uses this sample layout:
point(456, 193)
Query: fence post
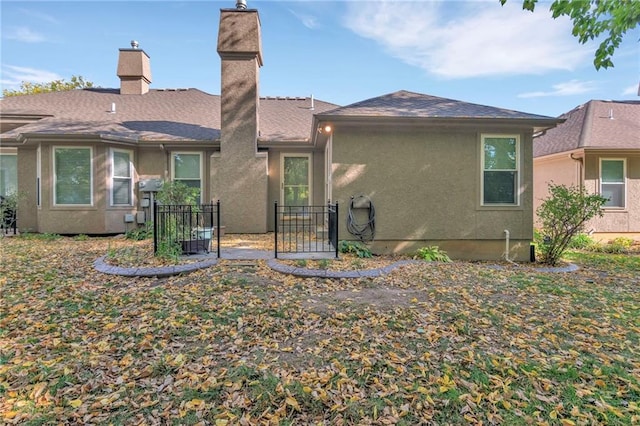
point(275, 229)
point(218, 225)
point(155, 227)
point(335, 243)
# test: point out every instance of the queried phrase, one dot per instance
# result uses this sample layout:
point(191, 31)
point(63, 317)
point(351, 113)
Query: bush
point(141, 233)
point(582, 242)
point(433, 254)
point(563, 215)
point(354, 247)
point(617, 245)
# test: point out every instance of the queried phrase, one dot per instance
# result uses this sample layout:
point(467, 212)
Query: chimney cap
point(241, 4)
point(134, 44)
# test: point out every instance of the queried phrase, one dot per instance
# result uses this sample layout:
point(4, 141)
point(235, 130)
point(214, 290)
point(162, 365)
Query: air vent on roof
point(241, 4)
point(134, 44)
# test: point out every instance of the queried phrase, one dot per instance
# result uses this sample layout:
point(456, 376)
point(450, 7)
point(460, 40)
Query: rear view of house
point(597, 148)
point(418, 169)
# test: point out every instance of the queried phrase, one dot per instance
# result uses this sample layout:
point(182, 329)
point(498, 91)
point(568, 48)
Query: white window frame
point(623, 183)
point(517, 170)
point(173, 169)
point(55, 177)
point(309, 176)
point(114, 177)
point(12, 154)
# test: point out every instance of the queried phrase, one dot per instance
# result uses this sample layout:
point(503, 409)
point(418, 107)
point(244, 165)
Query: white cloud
point(569, 88)
point(308, 21)
point(39, 15)
point(24, 34)
point(13, 76)
point(632, 90)
point(468, 39)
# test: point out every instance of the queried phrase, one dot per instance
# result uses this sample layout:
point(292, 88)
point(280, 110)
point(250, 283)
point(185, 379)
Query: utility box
point(140, 219)
point(144, 202)
point(128, 218)
point(150, 185)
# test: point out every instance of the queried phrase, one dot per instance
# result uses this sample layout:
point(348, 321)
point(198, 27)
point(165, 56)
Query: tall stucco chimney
point(239, 173)
point(134, 70)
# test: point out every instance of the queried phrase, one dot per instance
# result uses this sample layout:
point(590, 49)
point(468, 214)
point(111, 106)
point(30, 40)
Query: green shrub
point(563, 215)
point(141, 233)
point(582, 242)
point(618, 245)
point(169, 250)
point(81, 237)
point(354, 247)
point(433, 254)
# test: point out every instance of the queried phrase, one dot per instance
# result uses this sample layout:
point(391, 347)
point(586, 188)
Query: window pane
point(296, 170)
point(122, 191)
point(500, 187)
point(8, 174)
point(614, 193)
point(612, 171)
point(73, 175)
point(296, 196)
point(186, 166)
point(500, 154)
point(121, 164)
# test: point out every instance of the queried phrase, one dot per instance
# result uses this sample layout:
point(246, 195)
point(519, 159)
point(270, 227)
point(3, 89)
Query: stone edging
point(326, 273)
point(162, 271)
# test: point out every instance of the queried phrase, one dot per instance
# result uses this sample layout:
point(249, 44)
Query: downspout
point(580, 161)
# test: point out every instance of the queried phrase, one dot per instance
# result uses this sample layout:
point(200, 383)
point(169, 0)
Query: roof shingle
point(596, 124)
point(159, 115)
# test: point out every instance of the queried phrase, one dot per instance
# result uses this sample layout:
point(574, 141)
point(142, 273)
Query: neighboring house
point(597, 148)
point(437, 171)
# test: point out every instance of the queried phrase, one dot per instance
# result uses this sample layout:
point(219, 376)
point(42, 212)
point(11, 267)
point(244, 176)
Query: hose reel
point(361, 221)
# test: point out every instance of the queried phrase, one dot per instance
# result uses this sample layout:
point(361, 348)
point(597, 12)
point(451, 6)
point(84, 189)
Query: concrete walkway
point(210, 259)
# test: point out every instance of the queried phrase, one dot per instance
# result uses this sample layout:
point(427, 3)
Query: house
point(434, 170)
point(596, 148)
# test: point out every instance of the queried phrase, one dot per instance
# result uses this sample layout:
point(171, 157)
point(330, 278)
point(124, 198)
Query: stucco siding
point(627, 219)
point(559, 169)
point(425, 186)
point(27, 189)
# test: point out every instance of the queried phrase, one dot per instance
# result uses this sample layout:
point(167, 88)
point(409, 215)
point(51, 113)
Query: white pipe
point(506, 249)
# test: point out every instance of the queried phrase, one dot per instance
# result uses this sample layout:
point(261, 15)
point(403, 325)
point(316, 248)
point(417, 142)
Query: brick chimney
point(134, 70)
point(239, 173)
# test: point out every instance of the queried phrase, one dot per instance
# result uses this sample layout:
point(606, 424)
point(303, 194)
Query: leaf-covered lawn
point(236, 344)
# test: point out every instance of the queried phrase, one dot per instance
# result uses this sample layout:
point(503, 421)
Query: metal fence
point(9, 220)
point(306, 229)
point(196, 229)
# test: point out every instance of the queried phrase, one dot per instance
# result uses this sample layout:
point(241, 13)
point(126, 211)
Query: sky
point(338, 51)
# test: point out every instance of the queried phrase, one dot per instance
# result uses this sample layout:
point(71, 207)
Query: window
point(296, 178)
point(187, 168)
point(8, 174)
point(612, 182)
point(500, 169)
point(122, 178)
point(73, 176)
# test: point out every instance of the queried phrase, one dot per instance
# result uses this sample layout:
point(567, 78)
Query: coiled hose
point(364, 230)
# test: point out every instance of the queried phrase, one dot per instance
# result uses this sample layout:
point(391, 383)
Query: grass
point(454, 343)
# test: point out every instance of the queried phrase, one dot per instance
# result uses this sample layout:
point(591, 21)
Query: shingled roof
point(159, 115)
point(596, 125)
point(416, 105)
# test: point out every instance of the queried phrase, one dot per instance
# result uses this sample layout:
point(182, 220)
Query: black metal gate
point(306, 229)
point(196, 229)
